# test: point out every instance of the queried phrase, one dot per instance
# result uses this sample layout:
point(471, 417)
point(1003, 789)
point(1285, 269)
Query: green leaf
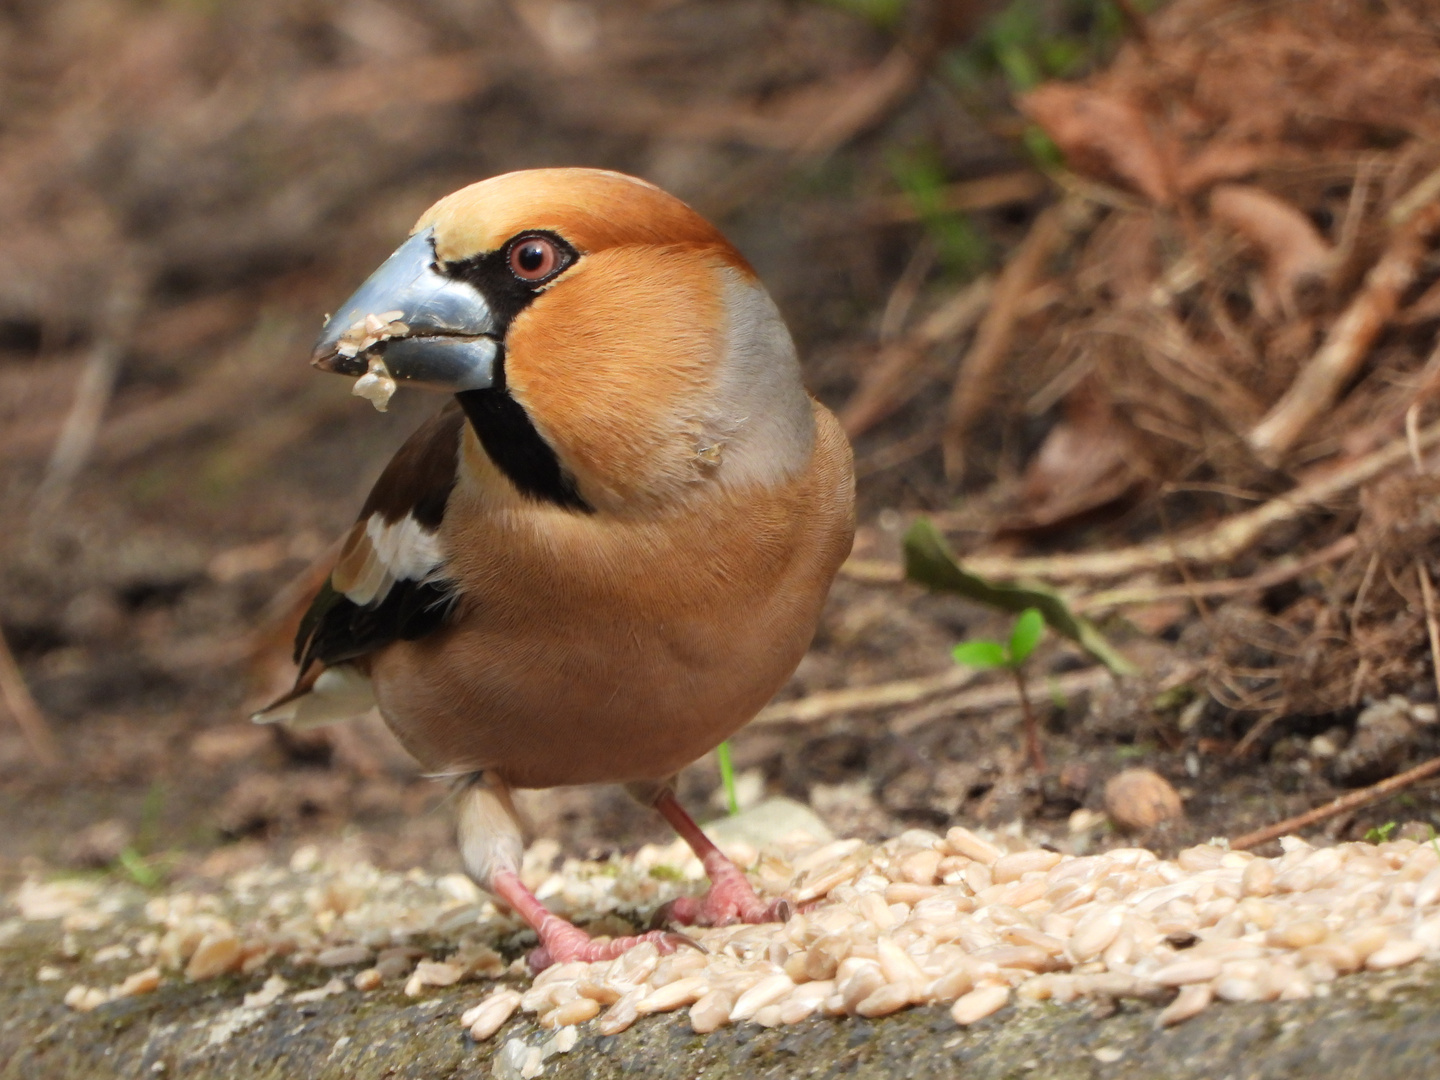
point(1019, 67)
point(133, 864)
point(727, 776)
point(929, 561)
point(1028, 629)
point(980, 654)
point(1381, 834)
point(1042, 148)
point(1061, 56)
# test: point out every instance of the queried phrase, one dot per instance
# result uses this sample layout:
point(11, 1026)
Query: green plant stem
point(727, 776)
point(1032, 729)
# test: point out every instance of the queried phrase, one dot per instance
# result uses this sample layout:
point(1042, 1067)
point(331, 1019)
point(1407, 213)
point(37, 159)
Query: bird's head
point(612, 350)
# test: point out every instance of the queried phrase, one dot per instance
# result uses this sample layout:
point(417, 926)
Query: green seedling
point(1027, 42)
point(885, 14)
point(920, 174)
point(1057, 696)
point(1011, 656)
point(135, 865)
point(929, 561)
point(138, 860)
point(1381, 833)
point(727, 776)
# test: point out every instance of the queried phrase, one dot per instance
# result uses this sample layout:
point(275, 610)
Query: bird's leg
point(731, 898)
point(491, 848)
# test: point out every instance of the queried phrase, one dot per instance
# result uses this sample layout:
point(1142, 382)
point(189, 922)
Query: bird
point(610, 548)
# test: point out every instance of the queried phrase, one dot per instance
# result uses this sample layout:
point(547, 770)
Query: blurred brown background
point(186, 187)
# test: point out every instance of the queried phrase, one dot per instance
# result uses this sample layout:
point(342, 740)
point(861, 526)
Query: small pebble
point(1139, 799)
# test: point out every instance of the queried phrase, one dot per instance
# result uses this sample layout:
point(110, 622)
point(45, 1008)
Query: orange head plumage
point(613, 350)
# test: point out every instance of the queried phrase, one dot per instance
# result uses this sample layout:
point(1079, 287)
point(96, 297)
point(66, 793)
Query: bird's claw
point(725, 904)
point(565, 944)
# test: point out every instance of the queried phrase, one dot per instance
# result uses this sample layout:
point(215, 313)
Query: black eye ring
point(535, 258)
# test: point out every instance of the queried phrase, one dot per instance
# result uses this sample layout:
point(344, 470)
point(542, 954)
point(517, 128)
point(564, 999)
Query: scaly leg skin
point(561, 941)
point(491, 847)
point(731, 898)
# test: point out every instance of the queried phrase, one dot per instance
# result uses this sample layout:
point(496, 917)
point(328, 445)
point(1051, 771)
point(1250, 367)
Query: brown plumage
point(611, 551)
point(652, 640)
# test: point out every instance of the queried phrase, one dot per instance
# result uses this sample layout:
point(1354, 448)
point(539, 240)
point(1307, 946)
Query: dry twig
point(1217, 544)
point(865, 105)
point(906, 291)
point(1354, 800)
point(886, 384)
point(1282, 571)
point(826, 703)
point(974, 379)
point(873, 571)
point(1432, 623)
point(21, 705)
point(927, 693)
point(92, 394)
point(1348, 342)
point(1003, 695)
point(986, 193)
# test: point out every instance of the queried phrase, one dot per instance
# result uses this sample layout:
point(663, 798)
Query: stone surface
point(769, 822)
point(1383, 1025)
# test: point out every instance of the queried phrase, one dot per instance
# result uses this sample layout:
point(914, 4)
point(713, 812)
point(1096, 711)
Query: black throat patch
point(504, 428)
point(517, 449)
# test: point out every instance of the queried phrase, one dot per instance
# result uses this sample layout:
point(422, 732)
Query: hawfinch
point(609, 549)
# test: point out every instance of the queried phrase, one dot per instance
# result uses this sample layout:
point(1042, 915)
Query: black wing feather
point(417, 483)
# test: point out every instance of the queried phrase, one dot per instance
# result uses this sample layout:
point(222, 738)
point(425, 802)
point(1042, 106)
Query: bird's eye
point(534, 258)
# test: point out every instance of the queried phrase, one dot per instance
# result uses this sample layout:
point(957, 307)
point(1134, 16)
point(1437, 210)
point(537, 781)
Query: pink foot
point(731, 899)
point(562, 942)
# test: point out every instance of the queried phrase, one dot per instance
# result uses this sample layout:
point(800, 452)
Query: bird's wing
point(389, 582)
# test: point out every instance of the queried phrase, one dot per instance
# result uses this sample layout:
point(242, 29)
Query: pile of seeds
point(328, 913)
point(960, 921)
point(957, 920)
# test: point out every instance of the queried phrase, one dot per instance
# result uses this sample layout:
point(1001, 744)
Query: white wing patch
point(340, 693)
point(398, 551)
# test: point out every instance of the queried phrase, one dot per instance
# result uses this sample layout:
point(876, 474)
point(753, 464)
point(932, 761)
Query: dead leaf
point(1104, 136)
point(1083, 464)
point(1139, 799)
point(1297, 258)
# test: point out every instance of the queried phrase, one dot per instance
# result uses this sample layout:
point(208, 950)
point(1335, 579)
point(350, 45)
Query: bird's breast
point(597, 650)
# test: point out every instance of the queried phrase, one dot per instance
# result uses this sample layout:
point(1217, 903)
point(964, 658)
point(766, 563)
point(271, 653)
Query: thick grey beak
point(428, 329)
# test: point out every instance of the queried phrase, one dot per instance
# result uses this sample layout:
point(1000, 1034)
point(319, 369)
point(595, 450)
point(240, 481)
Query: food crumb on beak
point(371, 330)
point(376, 386)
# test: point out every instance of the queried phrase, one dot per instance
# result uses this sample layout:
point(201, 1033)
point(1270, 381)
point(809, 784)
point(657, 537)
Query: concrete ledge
point(1379, 1027)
